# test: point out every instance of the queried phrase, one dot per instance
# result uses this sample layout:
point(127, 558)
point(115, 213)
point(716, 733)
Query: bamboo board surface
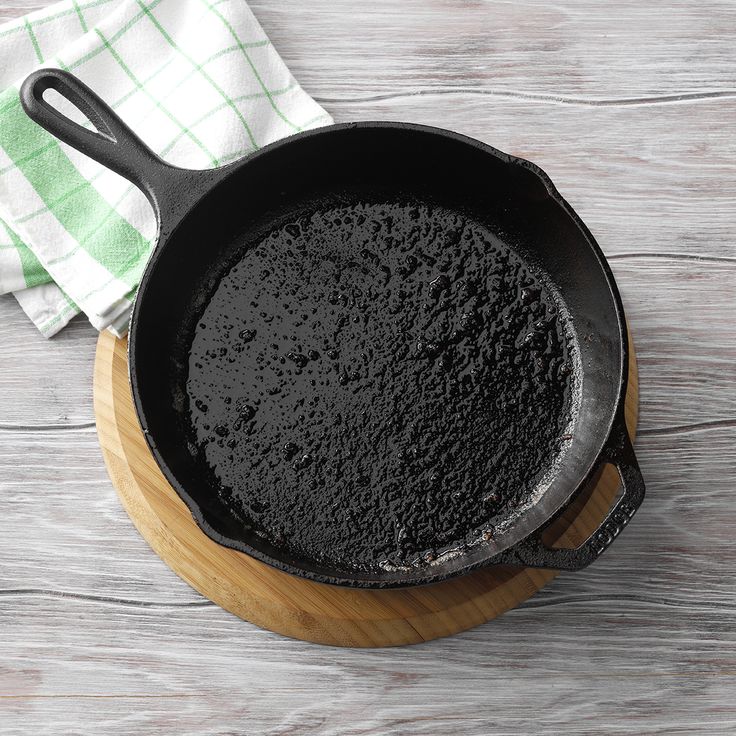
point(285, 603)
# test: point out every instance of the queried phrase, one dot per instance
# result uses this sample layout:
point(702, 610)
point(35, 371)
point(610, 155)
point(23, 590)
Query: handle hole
point(64, 106)
point(67, 108)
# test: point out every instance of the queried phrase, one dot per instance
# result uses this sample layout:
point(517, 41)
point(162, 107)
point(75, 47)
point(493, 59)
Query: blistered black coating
point(374, 385)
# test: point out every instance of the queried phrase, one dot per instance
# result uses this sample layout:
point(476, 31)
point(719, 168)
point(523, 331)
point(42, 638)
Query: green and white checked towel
point(197, 79)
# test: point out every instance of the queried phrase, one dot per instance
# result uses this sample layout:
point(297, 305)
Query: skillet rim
point(414, 577)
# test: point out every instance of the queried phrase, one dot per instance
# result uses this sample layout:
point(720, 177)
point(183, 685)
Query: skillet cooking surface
point(378, 385)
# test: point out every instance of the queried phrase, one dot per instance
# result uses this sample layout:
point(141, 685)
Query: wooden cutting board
point(293, 606)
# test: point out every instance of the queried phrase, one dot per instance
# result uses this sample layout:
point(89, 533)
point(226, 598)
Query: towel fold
point(197, 80)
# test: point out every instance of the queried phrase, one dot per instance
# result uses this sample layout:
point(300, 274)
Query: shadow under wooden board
point(294, 606)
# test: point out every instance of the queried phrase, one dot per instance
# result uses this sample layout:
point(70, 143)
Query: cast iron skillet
point(200, 211)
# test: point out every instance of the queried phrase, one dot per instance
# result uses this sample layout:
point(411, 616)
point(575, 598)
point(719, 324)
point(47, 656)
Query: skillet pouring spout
point(286, 221)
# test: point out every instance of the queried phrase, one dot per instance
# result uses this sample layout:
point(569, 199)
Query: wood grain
point(293, 606)
point(630, 108)
point(623, 52)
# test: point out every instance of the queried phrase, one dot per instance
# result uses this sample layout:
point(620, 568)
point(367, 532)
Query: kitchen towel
point(199, 82)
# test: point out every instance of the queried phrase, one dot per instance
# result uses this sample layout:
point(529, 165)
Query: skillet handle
point(112, 144)
point(533, 552)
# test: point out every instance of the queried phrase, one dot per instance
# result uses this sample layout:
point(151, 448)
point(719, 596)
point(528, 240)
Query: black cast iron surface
point(375, 385)
point(528, 257)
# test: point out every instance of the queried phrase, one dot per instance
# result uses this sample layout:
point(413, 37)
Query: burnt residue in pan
point(374, 385)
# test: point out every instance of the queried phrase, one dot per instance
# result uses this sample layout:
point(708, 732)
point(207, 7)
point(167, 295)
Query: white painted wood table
point(631, 108)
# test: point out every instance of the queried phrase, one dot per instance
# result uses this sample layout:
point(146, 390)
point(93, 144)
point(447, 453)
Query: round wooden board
point(290, 605)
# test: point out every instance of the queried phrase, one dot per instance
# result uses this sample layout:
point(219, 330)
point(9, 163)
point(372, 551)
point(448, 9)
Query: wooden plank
point(646, 669)
point(10, 9)
point(622, 51)
point(46, 383)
